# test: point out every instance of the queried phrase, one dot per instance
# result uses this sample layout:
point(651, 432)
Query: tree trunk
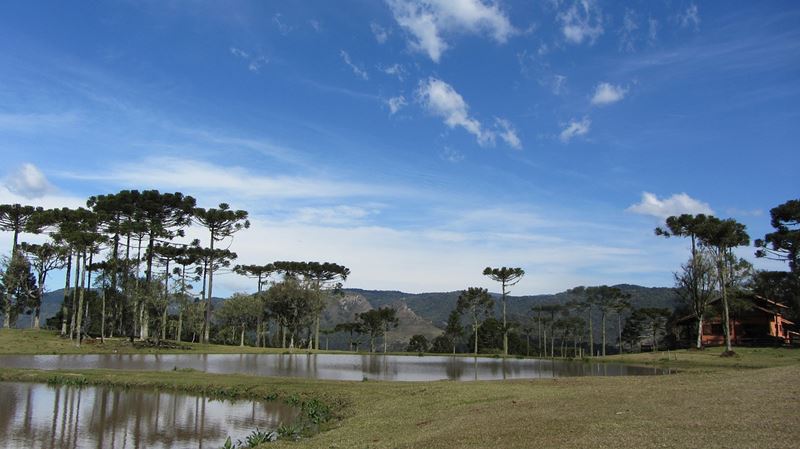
point(725, 311)
point(385, 339)
point(206, 329)
point(74, 310)
point(603, 321)
point(505, 325)
point(476, 339)
point(700, 333)
point(180, 325)
point(544, 341)
point(619, 335)
point(591, 334)
point(241, 337)
point(80, 301)
point(66, 297)
point(103, 315)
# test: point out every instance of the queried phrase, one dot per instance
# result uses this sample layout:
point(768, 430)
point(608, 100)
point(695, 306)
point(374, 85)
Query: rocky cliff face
point(343, 309)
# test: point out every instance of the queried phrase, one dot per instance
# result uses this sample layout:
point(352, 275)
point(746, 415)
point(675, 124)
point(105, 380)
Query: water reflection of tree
point(107, 418)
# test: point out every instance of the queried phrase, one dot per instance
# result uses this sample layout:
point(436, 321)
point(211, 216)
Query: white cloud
point(679, 203)
point(429, 21)
point(575, 128)
point(396, 103)
point(508, 133)
point(627, 34)
point(333, 215)
point(558, 84)
point(358, 71)
point(442, 100)
point(254, 63)
point(27, 181)
point(282, 27)
point(690, 17)
point(381, 34)
point(314, 23)
point(607, 93)
point(394, 70)
point(582, 21)
point(231, 181)
point(451, 155)
point(36, 122)
point(652, 30)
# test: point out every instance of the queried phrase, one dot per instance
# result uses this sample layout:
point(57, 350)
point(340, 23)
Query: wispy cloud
point(381, 34)
point(582, 21)
point(280, 24)
point(28, 181)
point(396, 70)
point(430, 21)
point(451, 155)
point(690, 17)
point(254, 63)
point(575, 128)
point(357, 70)
point(607, 93)
point(679, 203)
point(508, 133)
point(442, 100)
point(34, 121)
point(628, 32)
point(234, 181)
point(396, 103)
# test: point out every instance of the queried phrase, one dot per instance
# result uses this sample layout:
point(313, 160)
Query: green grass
point(29, 341)
point(709, 358)
point(749, 401)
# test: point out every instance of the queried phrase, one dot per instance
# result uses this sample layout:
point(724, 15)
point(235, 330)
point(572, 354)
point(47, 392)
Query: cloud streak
point(574, 129)
point(607, 93)
point(677, 204)
point(430, 21)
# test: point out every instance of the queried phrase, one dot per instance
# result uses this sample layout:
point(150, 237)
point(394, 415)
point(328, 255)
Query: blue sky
point(415, 141)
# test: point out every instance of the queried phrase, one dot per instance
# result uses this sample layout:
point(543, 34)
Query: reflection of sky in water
point(338, 366)
point(41, 416)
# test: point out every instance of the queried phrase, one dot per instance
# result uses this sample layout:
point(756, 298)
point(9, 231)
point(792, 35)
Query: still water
point(337, 366)
point(42, 416)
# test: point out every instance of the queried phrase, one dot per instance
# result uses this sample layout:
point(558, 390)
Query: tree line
point(712, 274)
point(130, 271)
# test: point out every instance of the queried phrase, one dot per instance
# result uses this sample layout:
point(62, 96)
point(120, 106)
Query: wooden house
point(758, 322)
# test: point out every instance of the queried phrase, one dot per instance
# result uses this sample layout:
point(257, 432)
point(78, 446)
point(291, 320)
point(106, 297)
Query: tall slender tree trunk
point(603, 321)
point(475, 326)
point(700, 333)
point(591, 334)
point(37, 311)
point(544, 341)
point(505, 325)
point(80, 301)
point(78, 274)
point(241, 337)
point(725, 310)
point(206, 328)
point(64, 311)
point(103, 314)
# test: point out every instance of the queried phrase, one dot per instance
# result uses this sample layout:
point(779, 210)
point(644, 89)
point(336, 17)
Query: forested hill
point(435, 307)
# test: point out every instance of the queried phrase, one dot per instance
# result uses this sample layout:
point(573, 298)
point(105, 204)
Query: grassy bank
point(29, 341)
point(746, 401)
point(709, 358)
point(725, 408)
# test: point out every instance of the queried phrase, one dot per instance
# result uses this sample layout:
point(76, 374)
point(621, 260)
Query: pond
point(43, 416)
point(336, 366)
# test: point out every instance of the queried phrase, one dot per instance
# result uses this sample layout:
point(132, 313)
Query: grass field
point(750, 401)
